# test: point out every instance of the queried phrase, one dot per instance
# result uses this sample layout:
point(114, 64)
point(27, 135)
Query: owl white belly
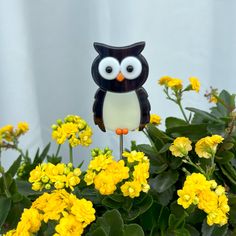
point(121, 110)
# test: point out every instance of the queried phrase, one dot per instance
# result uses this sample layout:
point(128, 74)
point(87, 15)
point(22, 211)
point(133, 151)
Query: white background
point(46, 51)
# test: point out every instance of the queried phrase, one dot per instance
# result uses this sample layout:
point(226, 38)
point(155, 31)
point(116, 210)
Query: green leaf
point(5, 206)
point(24, 188)
point(192, 230)
point(14, 167)
point(152, 154)
point(224, 157)
point(164, 180)
point(97, 232)
point(174, 122)
point(164, 148)
point(204, 114)
point(107, 201)
point(216, 128)
point(40, 158)
point(153, 131)
point(193, 131)
point(213, 230)
point(133, 230)
point(165, 197)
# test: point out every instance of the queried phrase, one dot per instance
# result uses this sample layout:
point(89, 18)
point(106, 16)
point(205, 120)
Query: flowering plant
point(182, 183)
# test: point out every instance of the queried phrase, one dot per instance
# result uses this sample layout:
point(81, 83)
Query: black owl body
point(121, 102)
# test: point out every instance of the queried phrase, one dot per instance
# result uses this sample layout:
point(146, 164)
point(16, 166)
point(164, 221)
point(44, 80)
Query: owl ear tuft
point(137, 47)
point(99, 47)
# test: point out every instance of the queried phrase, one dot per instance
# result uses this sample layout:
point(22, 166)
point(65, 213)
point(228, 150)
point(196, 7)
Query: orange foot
point(122, 131)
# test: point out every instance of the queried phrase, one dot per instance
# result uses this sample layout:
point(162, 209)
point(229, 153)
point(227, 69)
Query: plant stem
point(188, 161)
point(4, 178)
point(182, 110)
point(71, 154)
point(58, 149)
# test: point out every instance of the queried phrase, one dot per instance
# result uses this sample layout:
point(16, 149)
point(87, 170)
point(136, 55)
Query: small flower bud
point(47, 186)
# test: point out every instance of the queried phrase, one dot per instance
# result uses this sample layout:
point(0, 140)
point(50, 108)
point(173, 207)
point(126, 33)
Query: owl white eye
point(131, 67)
point(109, 68)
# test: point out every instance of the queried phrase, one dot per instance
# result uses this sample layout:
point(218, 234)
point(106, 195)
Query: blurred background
point(46, 52)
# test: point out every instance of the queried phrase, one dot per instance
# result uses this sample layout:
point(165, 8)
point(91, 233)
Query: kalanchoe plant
point(182, 183)
point(195, 152)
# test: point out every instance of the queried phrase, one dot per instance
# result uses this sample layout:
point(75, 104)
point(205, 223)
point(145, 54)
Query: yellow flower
point(69, 225)
point(131, 189)
point(30, 221)
point(217, 217)
point(195, 83)
point(6, 129)
point(175, 84)
point(180, 147)
point(36, 174)
point(135, 156)
point(213, 99)
point(85, 136)
point(22, 128)
point(223, 203)
point(206, 147)
point(186, 196)
point(74, 129)
point(141, 173)
point(89, 177)
point(83, 211)
point(100, 162)
point(11, 233)
point(198, 182)
point(164, 80)
point(155, 119)
point(104, 183)
point(207, 201)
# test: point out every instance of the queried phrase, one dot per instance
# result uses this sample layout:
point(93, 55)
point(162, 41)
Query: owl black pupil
point(130, 68)
point(108, 69)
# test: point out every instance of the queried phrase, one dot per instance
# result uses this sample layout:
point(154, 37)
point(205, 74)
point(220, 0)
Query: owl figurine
point(121, 103)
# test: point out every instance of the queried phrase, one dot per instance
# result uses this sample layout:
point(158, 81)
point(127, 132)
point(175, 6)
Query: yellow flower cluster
point(107, 174)
point(207, 196)
point(29, 223)
point(177, 84)
point(10, 134)
point(206, 147)
point(139, 174)
point(180, 147)
point(60, 176)
point(74, 129)
point(155, 119)
point(73, 214)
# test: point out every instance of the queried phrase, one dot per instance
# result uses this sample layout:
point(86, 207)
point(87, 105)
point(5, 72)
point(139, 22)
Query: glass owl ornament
point(121, 103)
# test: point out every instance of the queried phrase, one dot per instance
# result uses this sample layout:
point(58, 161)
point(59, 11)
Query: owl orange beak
point(120, 77)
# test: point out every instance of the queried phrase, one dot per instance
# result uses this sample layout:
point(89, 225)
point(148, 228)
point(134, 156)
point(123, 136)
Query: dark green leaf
point(5, 206)
point(204, 114)
point(133, 230)
point(192, 230)
point(174, 122)
point(165, 197)
point(97, 232)
point(24, 188)
point(40, 158)
point(213, 230)
point(164, 180)
point(14, 167)
point(224, 157)
point(107, 201)
point(193, 131)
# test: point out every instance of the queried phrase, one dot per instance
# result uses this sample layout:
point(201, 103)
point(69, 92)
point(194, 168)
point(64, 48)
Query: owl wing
point(98, 108)
point(145, 107)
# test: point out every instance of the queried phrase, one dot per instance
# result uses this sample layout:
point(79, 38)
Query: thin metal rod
point(121, 145)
